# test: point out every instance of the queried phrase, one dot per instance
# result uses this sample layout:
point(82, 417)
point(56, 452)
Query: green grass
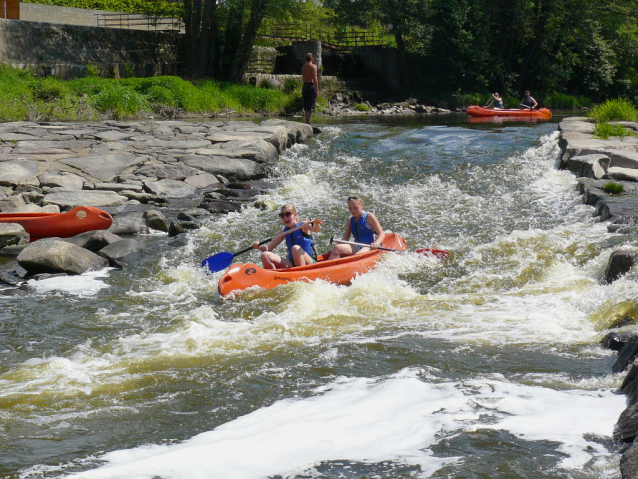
point(361, 107)
point(156, 8)
point(24, 96)
point(605, 130)
point(613, 188)
point(614, 110)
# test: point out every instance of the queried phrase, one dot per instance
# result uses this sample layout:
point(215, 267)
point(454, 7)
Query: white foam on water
point(86, 284)
point(395, 419)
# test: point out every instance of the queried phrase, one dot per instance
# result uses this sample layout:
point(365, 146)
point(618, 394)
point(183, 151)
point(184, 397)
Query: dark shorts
point(309, 96)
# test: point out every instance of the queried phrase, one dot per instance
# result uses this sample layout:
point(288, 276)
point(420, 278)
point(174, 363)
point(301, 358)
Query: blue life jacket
point(300, 238)
point(361, 229)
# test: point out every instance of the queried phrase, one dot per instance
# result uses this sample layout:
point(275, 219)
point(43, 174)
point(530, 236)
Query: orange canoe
point(541, 113)
point(339, 271)
point(63, 225)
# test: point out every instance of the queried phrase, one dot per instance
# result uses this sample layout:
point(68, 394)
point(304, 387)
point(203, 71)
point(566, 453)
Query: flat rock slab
point(231, 168)
point(589, 166)
point(105, 167)
point(70, 199)
point(205, 180)
point(170, 189)
point(67, 181)
point(256, 150)
point(622, 174)
point(56, 256)
point(114, 135)
point(13, 172)
point(163, 171)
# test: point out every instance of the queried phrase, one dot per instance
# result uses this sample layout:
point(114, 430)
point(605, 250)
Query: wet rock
point(180, 240)
point(174, 229)
point(11, 278)
point(130, 224)
point(189, 225)
point(615, 340)
point(57, 256)
point(156, 220)
point(41, 276)
point(23, 290)
point(626, 355)
point(170, 189)
point(629, 462)
point(13, 172)
point(186, 217)
point(12, 234)
point(234, 193)
point(620, 262)
point(67, 200)
point(629, 385)
point(627, 426)
point(94, 240)
point(221, 206)
point(120, 251)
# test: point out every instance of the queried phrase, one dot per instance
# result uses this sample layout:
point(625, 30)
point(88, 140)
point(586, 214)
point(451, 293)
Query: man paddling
point(528, 101)
point(310, 86)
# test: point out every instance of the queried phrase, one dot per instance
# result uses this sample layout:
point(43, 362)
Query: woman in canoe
point(496, 100)
point(300, 243)
point(363, 226)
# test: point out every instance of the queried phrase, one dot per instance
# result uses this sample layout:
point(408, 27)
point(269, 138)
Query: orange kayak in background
point(478, 111)
point(339, 271)
point(63, 225)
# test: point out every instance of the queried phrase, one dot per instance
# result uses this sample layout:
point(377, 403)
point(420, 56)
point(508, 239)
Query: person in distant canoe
point(310, 87)
point(300, 243)
point(363, 226)
point(528, 101)
point(496, 100)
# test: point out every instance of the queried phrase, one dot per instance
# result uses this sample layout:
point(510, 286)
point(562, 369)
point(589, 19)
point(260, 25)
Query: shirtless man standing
point(310, 86)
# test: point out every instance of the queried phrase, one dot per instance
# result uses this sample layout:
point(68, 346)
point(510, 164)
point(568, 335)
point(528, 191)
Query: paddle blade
point(439, 253)
point(218, 261)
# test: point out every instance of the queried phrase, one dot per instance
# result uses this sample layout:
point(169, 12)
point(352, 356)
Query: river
point(485, 366)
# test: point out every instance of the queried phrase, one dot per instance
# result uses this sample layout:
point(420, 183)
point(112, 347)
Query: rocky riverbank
point(597, 162)
point(164, 176)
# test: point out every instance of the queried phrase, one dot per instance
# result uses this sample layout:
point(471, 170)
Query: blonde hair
point(290, 207)
point(357, 199)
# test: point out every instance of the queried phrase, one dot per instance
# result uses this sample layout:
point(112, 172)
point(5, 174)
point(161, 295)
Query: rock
point(13, 172)
point(126, 249)
point(619, 263)
point(32, 197)
point(57, 256)
point(297, 132)
point(174, 229)
point(221, 206)
point(119, 187)
point(622, 174)
point(156, 220)
point(233, 168)
point(66, 181)
point(590, 166)
point(234, 193)
point(10, 278)
point(170, 189)
point(144, 197)
point(627, 427)
point(629, 385)
point(128, 224)
point(13, 250)
point(180, 240)
point(10, 203)
point(114, 135)
point(94, 240)
point(615, 340)
point(31, 208)
point(12, 234)
point(70, 199)
point(166, 172)
point(256, 150)
point(186, 217)
point(626, 355)
point(629, 462)
point(105, 167)
point(189, 225)
point(204, 180)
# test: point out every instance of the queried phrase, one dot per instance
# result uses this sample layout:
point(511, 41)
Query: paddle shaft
point(438, 253)
point(354, 243)
point(270, 239)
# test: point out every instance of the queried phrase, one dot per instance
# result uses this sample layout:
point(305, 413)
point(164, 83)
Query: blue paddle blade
point(218, 261)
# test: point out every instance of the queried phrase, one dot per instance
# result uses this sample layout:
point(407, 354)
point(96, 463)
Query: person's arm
point(376, 226)
point(315, 78)
point(272, 245)
point(348, 233)
point(535, 102)
point(313, 226)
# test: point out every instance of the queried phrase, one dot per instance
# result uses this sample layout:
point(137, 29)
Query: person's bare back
point(309, 74)
point(310, 86)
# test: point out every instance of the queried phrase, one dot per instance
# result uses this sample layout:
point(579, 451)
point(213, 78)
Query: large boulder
point(94, 240)
point(156, 220)
point(12, 234)
point(57, 256)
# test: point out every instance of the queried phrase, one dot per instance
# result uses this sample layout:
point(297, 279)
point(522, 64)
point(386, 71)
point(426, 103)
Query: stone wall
point(66, 50)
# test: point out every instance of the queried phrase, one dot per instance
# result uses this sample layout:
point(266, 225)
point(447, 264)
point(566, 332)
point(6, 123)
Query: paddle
point(222, 260)
point(439, 253)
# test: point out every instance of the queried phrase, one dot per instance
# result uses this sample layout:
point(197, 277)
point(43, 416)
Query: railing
point(138, 21)
point(329, 37)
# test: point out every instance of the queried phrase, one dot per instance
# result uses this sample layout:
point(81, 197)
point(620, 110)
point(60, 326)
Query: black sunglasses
point(285, 215)
point(353, 198)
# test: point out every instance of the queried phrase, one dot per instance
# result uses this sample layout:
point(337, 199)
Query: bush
point(48, 89)
point(91, 71)
point(292, 85)
point(614, 110)
point(605, 130)
point(613, 188)
point(361, 107)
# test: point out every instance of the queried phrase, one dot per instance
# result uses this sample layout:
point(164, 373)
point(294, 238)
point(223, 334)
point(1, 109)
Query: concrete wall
point(65, 50)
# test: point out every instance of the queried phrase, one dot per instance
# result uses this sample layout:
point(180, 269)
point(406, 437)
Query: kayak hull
point(339, 271)
point(477, 111)
point(63, 225)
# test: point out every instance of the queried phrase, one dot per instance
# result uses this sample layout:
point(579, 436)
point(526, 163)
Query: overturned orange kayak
point(63, 225)
point(541, 113)
point(339, 271)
